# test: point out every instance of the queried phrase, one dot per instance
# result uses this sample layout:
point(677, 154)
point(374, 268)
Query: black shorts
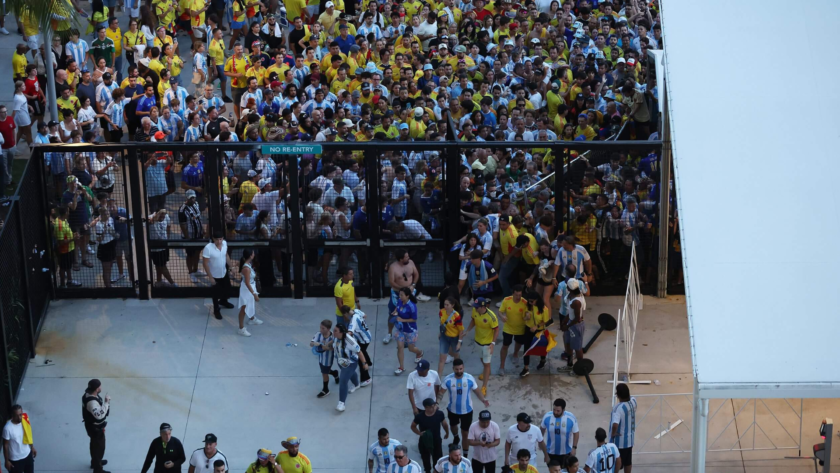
point(160, 258)
point(464, 419)
point(65, 261)
point(325, 369)
point(508, 338)
point(626, 456)
point(107, 252)
point(192, 251)
point(559, 458)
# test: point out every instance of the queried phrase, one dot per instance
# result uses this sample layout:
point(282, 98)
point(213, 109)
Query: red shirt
point(7, 129)
point(31, 87)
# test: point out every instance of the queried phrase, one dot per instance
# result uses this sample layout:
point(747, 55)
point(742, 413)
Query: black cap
point(52, 123)
point(428, 402)
point(523, 417)
point(165, 426)
point(106, 76)
point(484, 415)
point(94, 383)
point(210, 438)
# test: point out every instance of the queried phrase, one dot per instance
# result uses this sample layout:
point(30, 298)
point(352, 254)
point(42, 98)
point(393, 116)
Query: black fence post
point(374, 218)
point(212, 189)
point(296, 236)
point(134, 168)
point(27, 255)
point(453, 199)
point(568, 159)
point(559, 157)
point(5, 345)
point(38, 157)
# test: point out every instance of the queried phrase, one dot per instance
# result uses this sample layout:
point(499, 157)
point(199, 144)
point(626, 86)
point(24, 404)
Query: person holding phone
point(167, 452)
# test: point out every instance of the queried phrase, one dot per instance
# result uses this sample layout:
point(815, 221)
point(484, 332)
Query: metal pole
point(297, 246)
point(699, 430)
point(452, 193)
point(27, 255)
point(375, 263)
point(38, 157)
point(558, 187)
point(212, 189)
point(5, 347)
point(664, 201)
point(48, 65)
point(801, 415)
point(138, 219)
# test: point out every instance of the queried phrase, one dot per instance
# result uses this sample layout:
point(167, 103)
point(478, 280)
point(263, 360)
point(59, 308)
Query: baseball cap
point(368, 128)
point(254, 172)
point(484, 415)
point(275, 83)
point(523, 417)
point(429, 402)
point(428, 67)
point(403, 126)
point(356, 93)
point(209, 438)
point(505, 218)
point(422, 365)
point(355, 48)
point(482, 302)
point(509, 42)
point(330, 132)
point(160, 135)
point(418, 112)
point(572, 284)
point(620, 61)
point(348, 122)
point(107, 76)
point(52, 123)
point(315, 76)
point(342, 26)
point(365, 86)
point(631, 62)
point(359, 71)
point(165, 426)
point(191, 195)
point(535, 40)
point(330, 4)
point(263, 183)
point(255, 43)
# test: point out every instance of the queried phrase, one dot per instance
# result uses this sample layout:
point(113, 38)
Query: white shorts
point(486, 356)
point(134, 12)
point(34, 41)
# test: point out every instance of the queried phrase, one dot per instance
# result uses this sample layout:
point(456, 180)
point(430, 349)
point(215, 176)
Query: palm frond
point(43, 12)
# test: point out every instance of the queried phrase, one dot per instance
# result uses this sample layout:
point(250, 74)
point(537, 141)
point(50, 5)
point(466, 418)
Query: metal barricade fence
point(163, 230)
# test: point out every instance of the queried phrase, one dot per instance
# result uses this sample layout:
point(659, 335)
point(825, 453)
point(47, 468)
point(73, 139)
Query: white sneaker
point(201, 272)
point(366, 383)
point(4, 31)
point(498, 304)
point(422, 297)
point(340, 407)
point(353, 388)
point(117, 277)
point(387, 339)
point(244, 332)
point(254, 321)
point(193, 278)
point(90, 249)
point(449, 359)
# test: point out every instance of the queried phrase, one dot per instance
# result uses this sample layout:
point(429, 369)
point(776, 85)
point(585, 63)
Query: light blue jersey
point(460, 390)
point(445, 466)
point(624, 414)
point(358, 325)
point(325, 358)
point(559, 432)
point(603, 458)
point(382, 457)
point(412, 467)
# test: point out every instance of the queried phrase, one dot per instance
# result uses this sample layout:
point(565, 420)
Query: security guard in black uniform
point(94, 413)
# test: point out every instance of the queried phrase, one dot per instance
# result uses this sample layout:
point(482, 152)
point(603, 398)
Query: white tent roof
point(755, 115)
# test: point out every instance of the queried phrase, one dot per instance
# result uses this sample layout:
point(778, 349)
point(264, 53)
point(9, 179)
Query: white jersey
point(382, 457)
point(527, 440)
point(603, 458)
point(559, 432)
point(445, 466)
point(412, 467)
point(624, 414)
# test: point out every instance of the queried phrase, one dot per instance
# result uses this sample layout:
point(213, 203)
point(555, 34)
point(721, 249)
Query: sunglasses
point(399, 457)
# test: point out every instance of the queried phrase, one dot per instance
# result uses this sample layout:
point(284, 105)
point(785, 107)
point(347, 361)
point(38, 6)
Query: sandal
point(87, 264)
point(76, 267)
point(399, 371)
point(419, 357)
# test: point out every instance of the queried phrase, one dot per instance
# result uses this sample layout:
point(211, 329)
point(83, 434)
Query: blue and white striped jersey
point(358, 325)
point(382, 456)
point(325, 358)
point(602, 459)
point(445, 466)
point(412, 467)
point(460, 390)
point(193, 134)
point(577, 256)
point(624, 414)
point(559, 432)
point(79, 52)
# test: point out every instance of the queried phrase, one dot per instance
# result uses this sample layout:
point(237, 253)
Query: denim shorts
point(448, 342)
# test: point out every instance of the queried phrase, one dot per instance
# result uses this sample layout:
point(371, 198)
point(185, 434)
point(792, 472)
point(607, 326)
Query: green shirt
point(102, 48)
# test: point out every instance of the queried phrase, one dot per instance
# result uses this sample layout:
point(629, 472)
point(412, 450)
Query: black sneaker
point(456, 439)
point(466, 454)
point(226, 305)
point(334, 374)
point(564, 356)
point(218, 314)
point(525, 372)
point(541, 365)
point(225, 98)
point(323, 394)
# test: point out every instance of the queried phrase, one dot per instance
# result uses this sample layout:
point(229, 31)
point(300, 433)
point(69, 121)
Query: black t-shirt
point(405, 104)
point(294, 36)
point(432, 423)
point(213, 128)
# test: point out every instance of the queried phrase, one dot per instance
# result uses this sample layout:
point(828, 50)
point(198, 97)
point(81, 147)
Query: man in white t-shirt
point(484, 435)
point(422, 384)
point(524, 435)
point(203, 460)
point(19, 456)
point(216, 263)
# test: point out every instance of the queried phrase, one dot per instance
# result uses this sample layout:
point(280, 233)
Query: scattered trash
point(670, 428)
point(295, 344)
point(288, 345)
point(266, 393)
point(656, 382)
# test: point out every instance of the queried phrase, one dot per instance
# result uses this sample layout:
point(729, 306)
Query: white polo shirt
point(217, 260)
point(14, 434)
point(203, 464)
point(527, 440)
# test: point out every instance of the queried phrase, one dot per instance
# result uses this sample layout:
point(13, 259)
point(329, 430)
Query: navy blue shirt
point(144, 104)
point(345, 44)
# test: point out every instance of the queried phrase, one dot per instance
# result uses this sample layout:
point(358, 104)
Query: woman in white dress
point(20, 113)
point(248, 296)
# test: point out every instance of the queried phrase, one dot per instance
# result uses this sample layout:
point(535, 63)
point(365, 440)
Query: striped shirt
point(602, 459)
point(78, 51)
point(325, 358)
point(200, 63)
point(411, 467)
point(559, 432)
point(624, 414)
point(190, 215)
point(382, 456)
point(577, 256)
point(358, 325)
point(104, 94)
point(211, 102)
point(460, 390)
point(193, 133)
point(445, 466)
point(347, 349)
point(170, 126)
point(399, 189)
point(179, 92)
point(245, 226)
point(115, 111)
point(563, 292)
point(256, 95)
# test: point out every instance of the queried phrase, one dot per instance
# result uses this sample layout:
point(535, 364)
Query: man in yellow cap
point(291, 460)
